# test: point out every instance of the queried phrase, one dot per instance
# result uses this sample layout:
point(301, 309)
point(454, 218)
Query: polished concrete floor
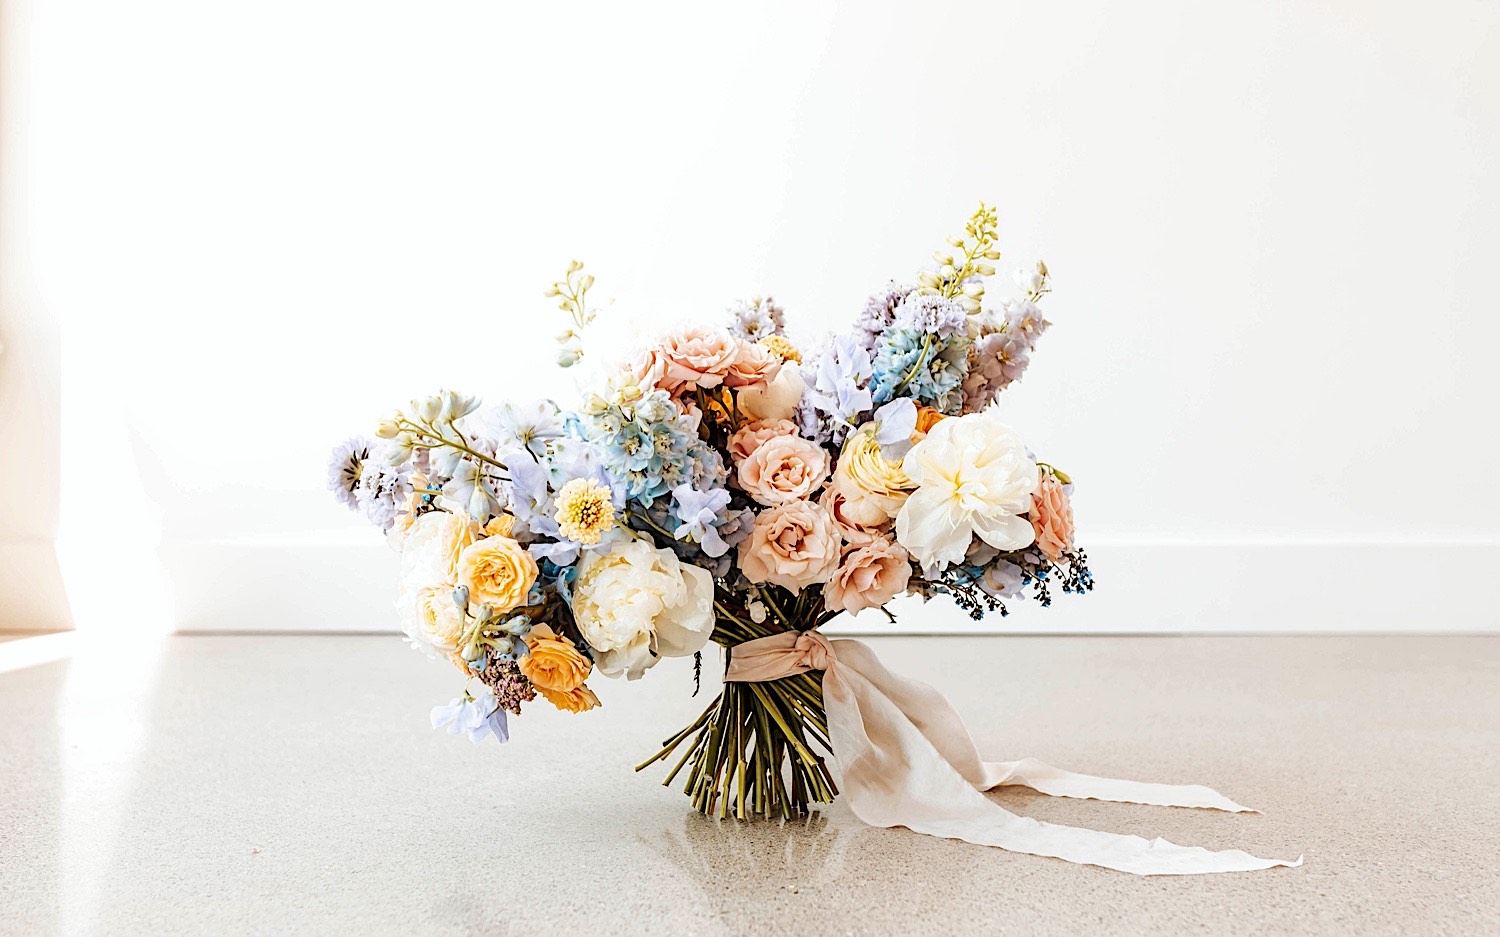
point(291, 785)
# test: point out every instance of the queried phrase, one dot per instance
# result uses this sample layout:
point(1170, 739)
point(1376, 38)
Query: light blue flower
point(837, 397)
point(701, 513)
point(514, 426)
point(922, 366)
point(895, 423)
point(476, 716)
point(647, 447)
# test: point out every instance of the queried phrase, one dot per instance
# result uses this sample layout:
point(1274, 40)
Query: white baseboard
point(1293, 587)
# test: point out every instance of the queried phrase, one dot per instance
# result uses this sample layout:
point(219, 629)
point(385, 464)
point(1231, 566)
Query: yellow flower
point(577, 700)
point(783, 349)
point(498, 573)
point(553, 663)
point(585, 510)
point(500, 525)
point(869, 482)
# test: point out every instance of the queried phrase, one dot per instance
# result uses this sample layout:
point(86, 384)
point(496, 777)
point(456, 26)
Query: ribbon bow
point(907, 760)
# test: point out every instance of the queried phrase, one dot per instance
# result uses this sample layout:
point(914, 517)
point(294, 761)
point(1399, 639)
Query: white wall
point(261, 226)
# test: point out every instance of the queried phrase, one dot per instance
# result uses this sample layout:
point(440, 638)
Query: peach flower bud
point(1052, 517)
point(868, 577)
point(782, 469)
point(749, 436)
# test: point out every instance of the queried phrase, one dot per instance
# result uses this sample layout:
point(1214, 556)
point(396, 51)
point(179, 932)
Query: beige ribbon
point(907, 760)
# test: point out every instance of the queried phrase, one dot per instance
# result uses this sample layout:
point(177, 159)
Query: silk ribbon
point(907, 760)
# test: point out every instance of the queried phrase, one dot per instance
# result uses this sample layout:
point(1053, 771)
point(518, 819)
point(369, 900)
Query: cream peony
point(778, 400)
point(873, 487)
point(635, 603)
point(782, 469)
point(868, 577)
point(794, 545)
point(972, 476)
point(431, 547)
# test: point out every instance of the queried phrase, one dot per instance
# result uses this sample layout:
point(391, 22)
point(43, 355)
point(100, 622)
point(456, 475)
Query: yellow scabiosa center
point(585, 510)
point(781, 348)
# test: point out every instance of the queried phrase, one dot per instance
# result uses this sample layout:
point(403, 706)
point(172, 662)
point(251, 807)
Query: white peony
point(430, 550)
point(635, 604)
point(973, 477)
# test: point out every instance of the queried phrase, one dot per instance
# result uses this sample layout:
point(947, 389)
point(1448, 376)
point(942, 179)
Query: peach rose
point(868, 577)
point(782, 469)
point(498, 573)
point(696, 357)
point(647, 369)
point(552, 662)
point(793, 545)
point(748, 437)
point(577, 700)
point(753, 368)
point(1051, 517)
point(857, 523)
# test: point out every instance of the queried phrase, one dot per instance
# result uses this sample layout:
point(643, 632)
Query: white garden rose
point(635, 603)
point(972, 476)
point(430, 550)
point(431, 619)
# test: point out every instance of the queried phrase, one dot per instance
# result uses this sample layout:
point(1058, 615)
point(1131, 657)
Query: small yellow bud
point(588, 282)
point(552, 291)
point(985, 270)
point(575, 266)
point(992, 254)
point(946, 272)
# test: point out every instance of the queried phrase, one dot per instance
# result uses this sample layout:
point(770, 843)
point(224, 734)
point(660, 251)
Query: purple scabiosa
point(345, 466)
point(930, 314)
point(756, 319)
point(384, 491)
point(878, 314)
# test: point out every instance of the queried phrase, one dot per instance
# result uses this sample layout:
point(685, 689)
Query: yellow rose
point(871, 485)
point(577, 700)
point(500, 525)
point(498, 573)
point(553, 663)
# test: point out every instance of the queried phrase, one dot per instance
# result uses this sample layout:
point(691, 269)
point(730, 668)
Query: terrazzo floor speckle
point(292, 785)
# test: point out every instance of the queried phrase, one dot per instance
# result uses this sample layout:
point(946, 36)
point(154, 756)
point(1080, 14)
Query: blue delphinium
point(648, 446)
point(924, 366)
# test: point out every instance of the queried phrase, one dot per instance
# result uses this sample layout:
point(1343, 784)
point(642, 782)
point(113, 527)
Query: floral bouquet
point(728, 484)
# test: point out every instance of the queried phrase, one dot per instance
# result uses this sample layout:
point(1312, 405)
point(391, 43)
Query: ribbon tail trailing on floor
point(907, 760)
